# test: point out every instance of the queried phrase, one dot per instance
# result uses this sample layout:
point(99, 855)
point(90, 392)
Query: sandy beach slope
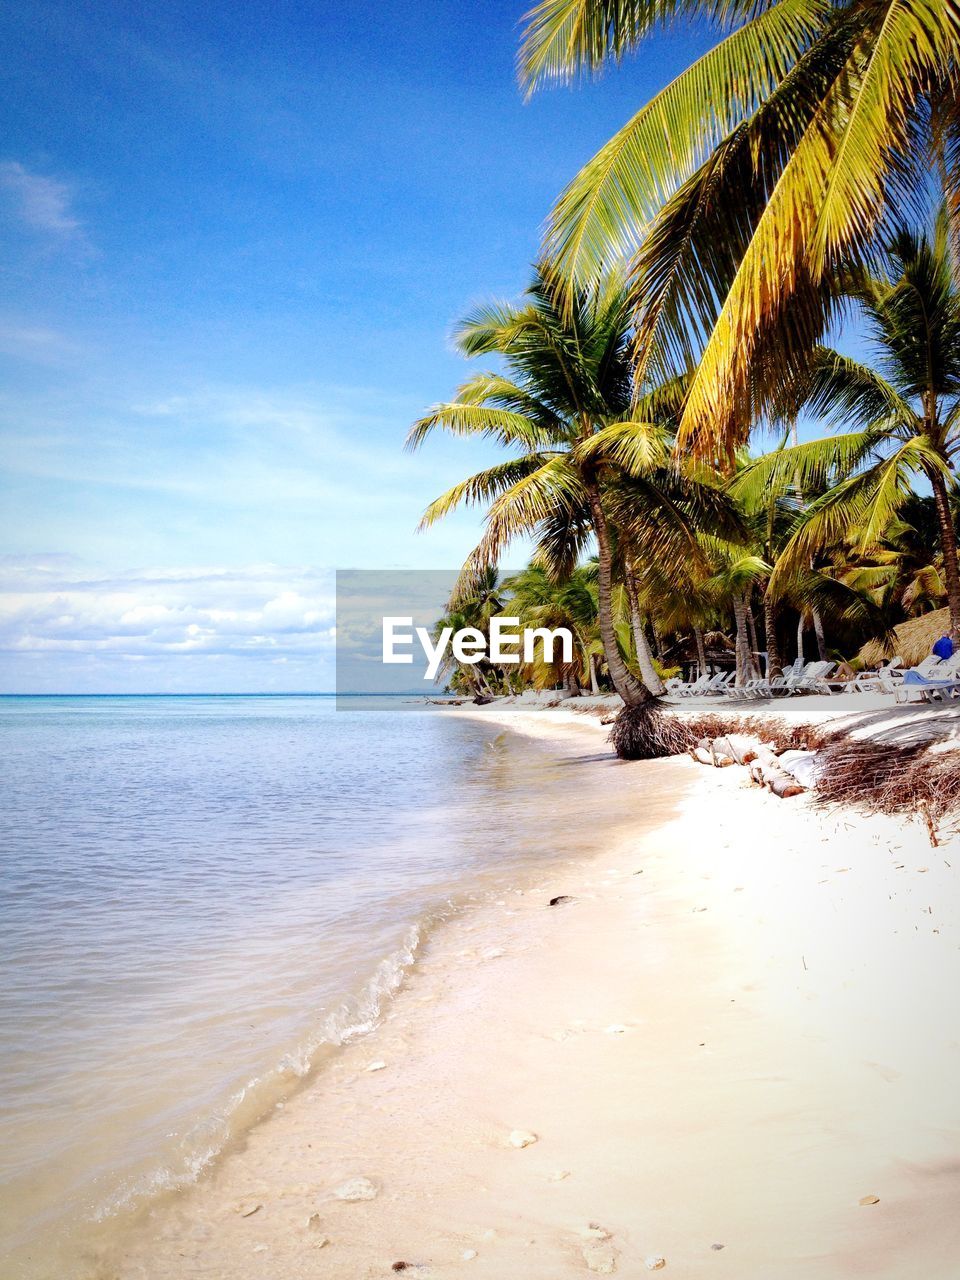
point(742, 1025)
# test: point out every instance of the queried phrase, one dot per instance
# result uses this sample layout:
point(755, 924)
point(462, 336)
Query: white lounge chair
point(814, 678)
point(931, 680)
point(884, 680)
point(713, 684)
point(763, 687)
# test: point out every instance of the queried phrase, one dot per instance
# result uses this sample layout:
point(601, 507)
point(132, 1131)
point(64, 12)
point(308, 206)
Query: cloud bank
point(64, 627)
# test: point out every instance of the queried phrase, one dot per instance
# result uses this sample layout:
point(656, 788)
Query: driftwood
point(760, 758)
point(706, 752)
point(919, 780)
point(738, 746)
point(767, 770)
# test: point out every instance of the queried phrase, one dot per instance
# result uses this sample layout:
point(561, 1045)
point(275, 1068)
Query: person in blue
point(943, 648)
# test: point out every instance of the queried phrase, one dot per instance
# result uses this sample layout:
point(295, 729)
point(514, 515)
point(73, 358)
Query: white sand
point(743, 1023)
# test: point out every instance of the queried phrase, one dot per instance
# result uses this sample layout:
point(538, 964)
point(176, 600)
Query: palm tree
point(739, 188)
point(903, 573)
point(564, 408)
point(538, 600)
point(907, 409)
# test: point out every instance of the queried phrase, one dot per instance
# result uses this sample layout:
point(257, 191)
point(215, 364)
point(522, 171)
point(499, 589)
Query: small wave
point(209, 1137)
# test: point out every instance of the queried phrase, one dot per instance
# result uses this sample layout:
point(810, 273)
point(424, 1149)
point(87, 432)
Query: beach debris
point(615, 1029)
point(468, 1255)
point(261, 1248)
point(521, 1138)
point(399, 1266)
point(376, 1066)
point(247, 1208)
point(717, 1247)
point(594, 1231)
point(600, 1257)
point(558, 1175)
point(655, 1262)
point(492, 953)
point(766, 770)
point(314, 1223)
point(357, 1189)
point(561, 897)
point(864, 1200)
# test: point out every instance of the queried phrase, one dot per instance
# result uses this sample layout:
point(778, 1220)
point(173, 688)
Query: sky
point(234, 240)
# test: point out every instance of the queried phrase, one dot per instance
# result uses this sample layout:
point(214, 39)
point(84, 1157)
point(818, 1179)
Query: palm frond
point(603, 211)
point(635, 447)
point(483, 486)
point(479, 420)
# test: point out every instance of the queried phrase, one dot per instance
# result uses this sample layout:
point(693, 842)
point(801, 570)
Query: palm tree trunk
point(629, 688)
point(743, 641)
point(657, 640)
point(594, 684)
point(648, 672)
point(951, 562)
point(818, 632)
point(800, 630)
point(752, 633)
point(774, 663)
point(701, 651)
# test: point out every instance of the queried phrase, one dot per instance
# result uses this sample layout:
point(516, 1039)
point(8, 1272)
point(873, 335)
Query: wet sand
point(741, 1025)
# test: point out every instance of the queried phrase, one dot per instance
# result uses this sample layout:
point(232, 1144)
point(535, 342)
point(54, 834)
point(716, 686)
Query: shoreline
point(728, 1037)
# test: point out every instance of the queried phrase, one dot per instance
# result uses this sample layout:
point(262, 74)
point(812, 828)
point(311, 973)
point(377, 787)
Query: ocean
point(202, 898)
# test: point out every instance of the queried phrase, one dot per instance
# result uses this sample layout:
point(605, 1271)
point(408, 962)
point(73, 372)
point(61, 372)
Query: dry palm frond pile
point(882, 777)
point(917, 779)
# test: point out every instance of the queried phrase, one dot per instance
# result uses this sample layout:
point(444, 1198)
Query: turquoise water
point(201, 898)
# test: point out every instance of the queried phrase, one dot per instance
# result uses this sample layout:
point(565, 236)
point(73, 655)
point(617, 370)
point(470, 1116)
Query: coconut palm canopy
point(906, 405)
point(743, 185)
point(564, 409)
point(803, 171)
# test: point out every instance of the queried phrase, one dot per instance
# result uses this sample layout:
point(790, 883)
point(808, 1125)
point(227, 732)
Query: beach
point(729, 1049)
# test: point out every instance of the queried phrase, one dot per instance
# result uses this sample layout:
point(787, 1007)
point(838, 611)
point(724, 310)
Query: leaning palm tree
point(907, 408)
point(564, 408)
point(739, 187)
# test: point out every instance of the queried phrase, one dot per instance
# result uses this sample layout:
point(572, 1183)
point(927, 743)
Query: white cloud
point(54, 606)
point(41, 203)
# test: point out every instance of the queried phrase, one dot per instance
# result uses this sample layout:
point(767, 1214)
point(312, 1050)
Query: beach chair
point(814, 678)
point(720, 684)
point(763, 687)
point(931, 681)
point(709, 686)
point(789, 680)
point(883, 680)
point(677, 688)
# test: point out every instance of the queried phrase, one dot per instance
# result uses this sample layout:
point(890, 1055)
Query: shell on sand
point(520, 1138)
point(357, 1189)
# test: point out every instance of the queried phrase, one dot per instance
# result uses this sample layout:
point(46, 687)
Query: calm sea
point(201, 898)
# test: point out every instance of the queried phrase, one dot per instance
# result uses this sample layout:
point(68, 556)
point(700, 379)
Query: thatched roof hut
point(914, 640)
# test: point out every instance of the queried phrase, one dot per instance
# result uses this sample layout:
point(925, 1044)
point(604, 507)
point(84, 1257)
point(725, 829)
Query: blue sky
point(234, 241)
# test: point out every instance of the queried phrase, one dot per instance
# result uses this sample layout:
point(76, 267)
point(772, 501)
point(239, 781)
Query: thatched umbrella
point(913, 642)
